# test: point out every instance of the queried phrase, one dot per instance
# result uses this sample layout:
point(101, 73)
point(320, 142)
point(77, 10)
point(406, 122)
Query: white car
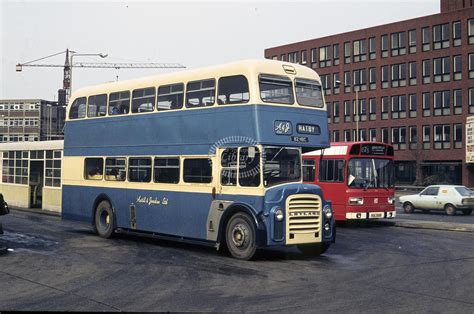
point(449, 198)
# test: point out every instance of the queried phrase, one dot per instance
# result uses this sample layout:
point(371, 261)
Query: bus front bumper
point(371, 215)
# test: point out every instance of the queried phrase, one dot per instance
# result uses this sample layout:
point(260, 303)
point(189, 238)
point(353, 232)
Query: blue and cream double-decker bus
point(211, 155)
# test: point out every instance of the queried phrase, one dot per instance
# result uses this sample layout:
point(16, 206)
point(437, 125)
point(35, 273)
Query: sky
point(192, 33)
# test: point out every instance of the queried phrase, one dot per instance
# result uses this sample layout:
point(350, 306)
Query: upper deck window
point(119, 103)
point(308, 93)
point(97, 106)
point(78, 109)
point(276, 89)
point(170, 97)
point(233, 90)
point(200, 93)
point(143, 100)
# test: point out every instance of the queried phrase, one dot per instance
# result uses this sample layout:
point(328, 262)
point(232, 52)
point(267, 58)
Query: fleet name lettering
point(305, 213)
point(148, 200)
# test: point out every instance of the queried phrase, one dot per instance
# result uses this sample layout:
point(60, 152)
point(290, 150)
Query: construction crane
point(68, 65)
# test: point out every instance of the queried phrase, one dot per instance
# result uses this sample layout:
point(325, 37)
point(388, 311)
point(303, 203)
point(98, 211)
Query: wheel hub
point(239, 235)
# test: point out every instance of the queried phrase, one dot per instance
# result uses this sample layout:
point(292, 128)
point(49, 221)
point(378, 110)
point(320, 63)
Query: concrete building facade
point(24, 120)
point(409, 83)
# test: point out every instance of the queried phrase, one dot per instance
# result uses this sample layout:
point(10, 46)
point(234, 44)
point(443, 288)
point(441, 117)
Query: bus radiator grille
point(304, 218)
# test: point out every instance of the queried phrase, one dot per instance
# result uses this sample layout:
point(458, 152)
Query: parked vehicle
point(3, 211)
point(449, 198)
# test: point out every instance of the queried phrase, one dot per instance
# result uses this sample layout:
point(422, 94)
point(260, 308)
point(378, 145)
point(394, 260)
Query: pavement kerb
point(432, 225)
point(36, 211)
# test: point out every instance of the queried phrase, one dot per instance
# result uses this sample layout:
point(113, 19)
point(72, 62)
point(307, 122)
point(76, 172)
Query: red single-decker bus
point(356, 176)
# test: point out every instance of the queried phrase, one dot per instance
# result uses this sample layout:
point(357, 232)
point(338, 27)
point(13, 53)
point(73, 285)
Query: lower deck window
point(139, 169)
point(115, 169)
point(166, 170)
point(198, 170)
point(93, 168)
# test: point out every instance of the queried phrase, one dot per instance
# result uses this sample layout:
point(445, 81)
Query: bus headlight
point(279, 215)
point(356, 201)
point(327, 212)
point(391, 200)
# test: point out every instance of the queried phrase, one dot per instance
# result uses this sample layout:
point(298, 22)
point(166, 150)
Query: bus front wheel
point(313, 249)
point(104, 220)
point(241, 236)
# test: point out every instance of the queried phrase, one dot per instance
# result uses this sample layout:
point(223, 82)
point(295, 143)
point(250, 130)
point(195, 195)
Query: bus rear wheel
point(241, 236)
point(104, 220)
point(315, 249)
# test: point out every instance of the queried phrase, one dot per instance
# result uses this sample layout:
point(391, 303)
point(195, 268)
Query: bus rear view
point(356, 176)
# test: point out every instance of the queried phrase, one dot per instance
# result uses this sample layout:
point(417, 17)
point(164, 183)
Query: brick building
point(413, 83)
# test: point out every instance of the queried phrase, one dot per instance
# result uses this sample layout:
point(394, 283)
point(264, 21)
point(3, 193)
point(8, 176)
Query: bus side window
point(309, 170)
point(229, 166)
point(97, 106)
point(170, 97)
point(93, 168)
point(197, 170)
point(119, 103)
point(78, 109)
point(249, 166)
point(167, 170)
point(233, 90)
point(143, 100)
point(331, 170)
point(139, 169)
point(115, 169)
point(200, 93)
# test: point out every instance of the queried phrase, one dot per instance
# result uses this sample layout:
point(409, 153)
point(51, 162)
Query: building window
point(457, 68)
point(412, 137)
point(347, 111)
point(426, 71)
point(412, 73)
point(471, 65)
point(328, 112)
point(360, 79)
point(303, 57)
point(326, 83)
point(441, 36)
point(384, 135)
point(335, 136)
point(384, 76)
point(384, 109)
point(471, 100)
point(384, 46)
point(412, 40)
point(139, 169)
point(347, 52)
point(399, 138)
point(283, 57)
point(398, 44)
point(362, 135)
point(442, 136)
point(426, 137)
point(412, 105)
point(441, 70)
point(470, 31)
point(335, 112)
point(441, 102)
point(336, 82)
point(347, 81)
point(372, 109)
point(399, 109)
point(293, 57)
point(335, 54)
point(325, 56)
point(372, 78)
point(347, 135)
point(457, 136)
point(426, 105)
point(425, 38)
point(373, 135)
point(313, 55)
point(399, 75)
point(457, 101)
point(457, 33)
point(361, 110)
point(197, 170)
point(360, 50)
point(372, 48)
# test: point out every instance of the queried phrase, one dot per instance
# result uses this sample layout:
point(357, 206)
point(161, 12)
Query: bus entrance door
point(36, 183)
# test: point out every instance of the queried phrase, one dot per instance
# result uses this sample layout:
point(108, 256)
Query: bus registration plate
point(300, 139)
point(376, 215)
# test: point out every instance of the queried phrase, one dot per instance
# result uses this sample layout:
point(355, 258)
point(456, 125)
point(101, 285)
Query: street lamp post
point(74, 54)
